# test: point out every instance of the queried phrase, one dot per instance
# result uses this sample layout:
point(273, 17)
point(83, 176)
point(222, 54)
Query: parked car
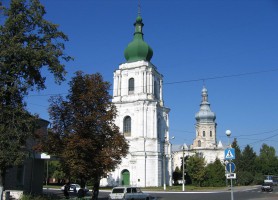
point(75, 188)
point(267, 187)
point(128, 193)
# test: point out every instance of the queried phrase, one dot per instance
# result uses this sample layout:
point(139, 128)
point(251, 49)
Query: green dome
point(138, 49)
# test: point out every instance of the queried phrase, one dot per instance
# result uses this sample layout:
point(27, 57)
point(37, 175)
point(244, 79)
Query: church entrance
point(125, 177)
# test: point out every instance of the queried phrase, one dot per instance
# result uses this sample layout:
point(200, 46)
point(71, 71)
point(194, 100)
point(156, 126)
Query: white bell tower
point(142, 117)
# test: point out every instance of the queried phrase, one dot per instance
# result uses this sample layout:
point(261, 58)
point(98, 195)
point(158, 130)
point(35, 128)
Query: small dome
point(205, 114)
point(138, 49)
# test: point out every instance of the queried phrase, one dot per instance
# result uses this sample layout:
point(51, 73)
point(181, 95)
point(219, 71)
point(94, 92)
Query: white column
point(152, 84)
point(147, 82)
point(146, 121)
point(160, 90)
point(142, 82)
point(143, 121)
point(115, 90)
point(119, 84)
point(154, 123)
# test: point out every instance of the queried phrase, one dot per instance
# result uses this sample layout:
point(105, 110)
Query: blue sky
point(230, 44)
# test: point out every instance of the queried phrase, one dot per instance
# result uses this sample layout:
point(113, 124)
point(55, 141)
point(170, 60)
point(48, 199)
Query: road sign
point(231, 176)
point(230, 167)
point(230, 154)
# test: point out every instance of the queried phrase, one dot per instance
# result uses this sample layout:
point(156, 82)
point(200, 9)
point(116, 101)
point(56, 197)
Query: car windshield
point(266, 184)
point(118, 190)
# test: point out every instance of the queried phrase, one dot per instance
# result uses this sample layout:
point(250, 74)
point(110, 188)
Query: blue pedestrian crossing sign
point(230, 154)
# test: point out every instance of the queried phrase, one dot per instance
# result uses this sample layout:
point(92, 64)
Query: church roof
point(205, 114)
point(178, 147)
point(138, 49)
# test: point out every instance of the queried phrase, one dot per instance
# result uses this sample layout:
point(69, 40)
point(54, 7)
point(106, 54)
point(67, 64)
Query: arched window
point(204, 133)
point(131, 86)
point(210, 133)
point(199, 143)
point(127, 126)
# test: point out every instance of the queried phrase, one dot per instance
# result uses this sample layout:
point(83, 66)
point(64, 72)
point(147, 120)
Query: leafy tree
point(27, 44)
point(248, 158)
point(267, 160)
point(238, 160)
point(259, 178)
point(246, 173)
point(84, 135)
point(177, 175)
point(55, 171)
point(196, 169)
point(215, 174)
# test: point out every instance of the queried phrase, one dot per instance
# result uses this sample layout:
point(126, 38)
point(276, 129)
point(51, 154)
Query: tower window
point(158, 128)
point(155, 90)
point(199, 143)
point(210, 133)
point(131, 86)
point(204, 133)
point(127, 126)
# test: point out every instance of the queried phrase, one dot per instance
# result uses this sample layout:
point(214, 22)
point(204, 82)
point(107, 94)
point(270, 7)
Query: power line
point(187, 81)
point(221, 77)
point(260, 133)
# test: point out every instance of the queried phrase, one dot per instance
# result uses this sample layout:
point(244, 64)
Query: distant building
point(142, 118)
point(205, 143)
point(29, 176)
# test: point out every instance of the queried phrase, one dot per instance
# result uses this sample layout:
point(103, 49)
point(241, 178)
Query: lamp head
point(228, 133)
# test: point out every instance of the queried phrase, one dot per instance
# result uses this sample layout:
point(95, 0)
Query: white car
point(74, 188)
point(128, 193)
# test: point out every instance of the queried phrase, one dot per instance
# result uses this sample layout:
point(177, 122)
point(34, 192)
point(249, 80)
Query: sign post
point(229, 154)
point(230, 167)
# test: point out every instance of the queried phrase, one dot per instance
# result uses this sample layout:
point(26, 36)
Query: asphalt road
point(239, 193)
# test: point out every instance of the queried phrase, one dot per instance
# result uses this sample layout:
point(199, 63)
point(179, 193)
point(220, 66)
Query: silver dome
point(205, 114)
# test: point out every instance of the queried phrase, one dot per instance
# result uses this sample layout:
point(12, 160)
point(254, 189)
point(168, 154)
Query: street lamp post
point(164, 171)
point(164, 165)
point(228, 133)
point(183, 168)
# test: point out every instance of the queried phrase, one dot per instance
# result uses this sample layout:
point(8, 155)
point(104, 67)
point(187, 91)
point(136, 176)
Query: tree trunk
point(95, 190)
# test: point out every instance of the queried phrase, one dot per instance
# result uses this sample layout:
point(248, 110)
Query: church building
point(205, 143)
point(141, 117)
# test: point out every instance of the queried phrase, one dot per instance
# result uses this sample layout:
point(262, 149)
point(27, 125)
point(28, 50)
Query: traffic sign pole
point(232, 194)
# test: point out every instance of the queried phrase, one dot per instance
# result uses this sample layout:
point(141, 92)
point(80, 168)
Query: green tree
point(54, 171)
point(246, 173)
point(28, 43)
point(267, 160)
point(84, 135)
point(238, 156)
point(215, 174)
point(177, 175)
point(196, 169)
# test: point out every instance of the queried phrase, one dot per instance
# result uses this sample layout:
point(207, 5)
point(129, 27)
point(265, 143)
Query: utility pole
point(183, 168)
